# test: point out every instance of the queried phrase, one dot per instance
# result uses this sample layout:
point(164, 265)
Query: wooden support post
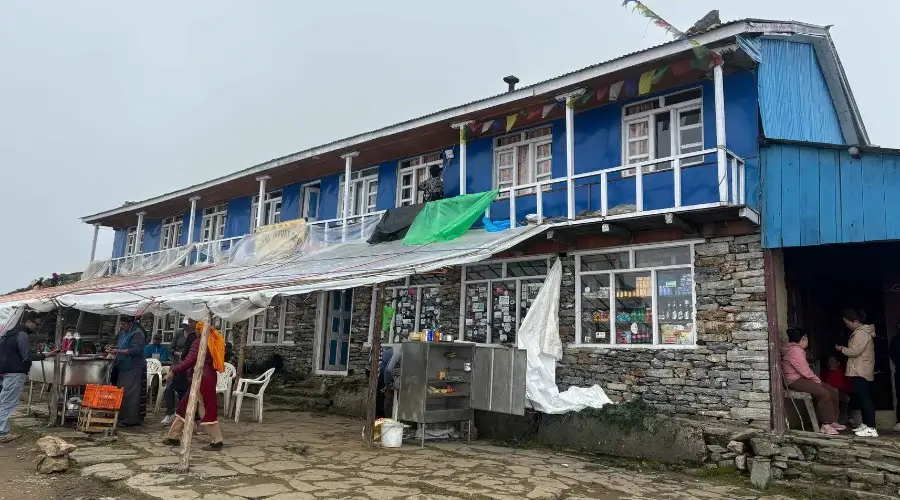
point(57, 369)
point(191, 409)
point(244, 326)
point(776, 384)
point(373, 370)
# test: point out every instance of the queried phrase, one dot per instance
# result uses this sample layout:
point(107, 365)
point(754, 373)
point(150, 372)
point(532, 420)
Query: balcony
point(681, 184)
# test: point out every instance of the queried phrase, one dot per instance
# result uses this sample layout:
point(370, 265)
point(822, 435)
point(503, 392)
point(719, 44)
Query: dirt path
point(19, 481)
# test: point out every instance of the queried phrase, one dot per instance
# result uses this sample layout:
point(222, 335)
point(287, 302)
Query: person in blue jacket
point(157, 348)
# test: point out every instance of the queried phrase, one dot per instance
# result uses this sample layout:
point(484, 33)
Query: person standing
point(177, 386)
point(800, 377)
point(132, 371)
point(207, 403)
point(860, 352)
point(433, 188)
point(15, 362)
point(895, 359)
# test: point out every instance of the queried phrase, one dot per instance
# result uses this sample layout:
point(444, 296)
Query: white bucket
point(391, 434)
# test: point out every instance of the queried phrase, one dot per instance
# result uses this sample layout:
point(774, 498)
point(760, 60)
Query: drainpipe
point(262, 200)
point(94, 244)
point(139, 233)
point(191, 219)
point(462, 154)
point(569, 100)
point(348, 164)
point(721, 160)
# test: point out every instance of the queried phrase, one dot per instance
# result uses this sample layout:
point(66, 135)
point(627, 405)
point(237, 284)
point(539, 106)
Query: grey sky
point(107, 101)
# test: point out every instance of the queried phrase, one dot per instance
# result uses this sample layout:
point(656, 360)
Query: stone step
point(299, 402)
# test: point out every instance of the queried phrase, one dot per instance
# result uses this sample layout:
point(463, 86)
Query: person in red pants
point(207, 405)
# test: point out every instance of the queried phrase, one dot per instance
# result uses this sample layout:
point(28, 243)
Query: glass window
point(417, 306)
point(167, 326)
point(267, 327)
point(662, 128)
point(413, 173)
point(171, 233)
point(523, 158)
point(640, 297)
point(497, 297)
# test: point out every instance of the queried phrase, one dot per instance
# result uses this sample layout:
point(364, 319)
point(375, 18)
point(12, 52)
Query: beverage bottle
point(77, 343)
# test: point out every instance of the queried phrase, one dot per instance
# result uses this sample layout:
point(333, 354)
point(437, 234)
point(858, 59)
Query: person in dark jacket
point(132, 370)
point(15, 362)
point(177, 387)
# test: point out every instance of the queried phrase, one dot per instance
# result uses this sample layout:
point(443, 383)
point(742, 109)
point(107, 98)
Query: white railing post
point(462, 154)
point(604, 194)
point(719, 90)
point(569, 100)
point(676, 178)
point(540, 204)
point(512, 208)
point(260, 207)
point(734, 181)
point(139, 233)
point(191, 220)
point(742, 184)
point(348, 165)
point(639, 189)
point(94, 244)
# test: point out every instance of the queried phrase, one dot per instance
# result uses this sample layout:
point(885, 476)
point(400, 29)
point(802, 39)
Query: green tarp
point(447, 219)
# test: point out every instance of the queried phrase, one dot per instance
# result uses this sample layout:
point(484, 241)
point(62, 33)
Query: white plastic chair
point(154, 370)
point(225, 385)
point(243, 390)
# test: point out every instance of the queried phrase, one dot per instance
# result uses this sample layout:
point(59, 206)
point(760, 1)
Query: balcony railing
point(684, 182)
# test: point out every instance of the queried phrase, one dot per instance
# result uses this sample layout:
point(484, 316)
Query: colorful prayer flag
point(614, 90)
point(547, 109)
point(462, 134)
point(631, 87)
point(510, 121)
point(487, 126)
point(473, 127)
point(645, 82)
point(533, 113)
point(586, 97)
point(601, 92)
point(682, 67)
point(659, 74)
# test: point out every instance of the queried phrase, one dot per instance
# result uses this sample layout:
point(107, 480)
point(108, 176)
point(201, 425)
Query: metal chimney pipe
point(511, 80)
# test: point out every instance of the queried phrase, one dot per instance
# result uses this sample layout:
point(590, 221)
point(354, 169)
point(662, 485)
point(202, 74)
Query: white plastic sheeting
point(539, 336)
point(235, 292)
point(10, 317)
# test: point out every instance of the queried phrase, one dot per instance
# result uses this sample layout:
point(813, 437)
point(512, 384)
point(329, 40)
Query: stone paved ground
point(302, 456)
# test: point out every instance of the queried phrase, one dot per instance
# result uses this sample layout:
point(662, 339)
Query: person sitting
point(799, 377)
point(156, 350)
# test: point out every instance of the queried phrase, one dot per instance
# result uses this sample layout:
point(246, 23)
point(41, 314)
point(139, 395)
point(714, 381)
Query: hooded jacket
point(15, 352)
point(794, 364)
point(860, 352)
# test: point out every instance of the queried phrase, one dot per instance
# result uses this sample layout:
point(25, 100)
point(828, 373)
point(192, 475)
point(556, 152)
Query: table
point(76, 371)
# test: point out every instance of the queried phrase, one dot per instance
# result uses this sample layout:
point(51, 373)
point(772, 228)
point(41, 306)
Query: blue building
point(646, 170)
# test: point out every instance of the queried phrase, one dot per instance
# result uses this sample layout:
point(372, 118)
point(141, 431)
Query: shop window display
point(497, 296)
point(417, 305)
point(643, 296)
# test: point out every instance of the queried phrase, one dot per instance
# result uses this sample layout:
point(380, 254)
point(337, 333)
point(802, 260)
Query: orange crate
point(102, 397)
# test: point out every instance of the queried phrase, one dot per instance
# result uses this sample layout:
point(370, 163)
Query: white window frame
point(630, 250)
point(212, 225)
point(171, 232)
point(305, 191)
point(533, 144)
point(271, 210)
point(405, 286)
point(281, 309)
point(160, 327)
point(675, 145)
point(411, 167)
point(130, 241)
point(504, 277)
point(365, 180)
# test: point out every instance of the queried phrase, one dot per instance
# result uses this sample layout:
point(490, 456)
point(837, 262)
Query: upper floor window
point(663, 127)
point(214, 223)
point(363, 192)
point(171, 232)
point(522, 158)
point(131, 241)
point(271, 209)
point(167, 326)
point(413, 172)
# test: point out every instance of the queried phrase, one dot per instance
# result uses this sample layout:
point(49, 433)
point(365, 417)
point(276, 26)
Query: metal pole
point(262, 200)
point(243, 326)
point(373, 370)
point(57, 368)
point(191, 409)
point(139, 233)
point(192, 219)
point(94, 243)
point(719, 91)
point(348, 164)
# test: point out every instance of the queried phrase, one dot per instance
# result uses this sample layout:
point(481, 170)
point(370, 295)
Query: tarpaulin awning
point(235, 292)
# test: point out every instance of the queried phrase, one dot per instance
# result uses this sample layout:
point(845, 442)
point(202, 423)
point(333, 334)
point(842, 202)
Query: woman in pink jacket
point(800, 377)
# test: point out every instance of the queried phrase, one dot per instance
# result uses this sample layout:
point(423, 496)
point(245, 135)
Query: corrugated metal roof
point(556, 84)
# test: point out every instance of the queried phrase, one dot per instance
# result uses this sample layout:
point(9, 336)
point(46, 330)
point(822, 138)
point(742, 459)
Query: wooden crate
point(95, 420)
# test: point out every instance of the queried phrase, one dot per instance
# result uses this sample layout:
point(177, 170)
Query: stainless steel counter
point(75, 371)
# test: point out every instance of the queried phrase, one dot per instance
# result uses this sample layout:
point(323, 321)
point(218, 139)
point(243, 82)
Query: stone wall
point(299, 328)
point(725, 377)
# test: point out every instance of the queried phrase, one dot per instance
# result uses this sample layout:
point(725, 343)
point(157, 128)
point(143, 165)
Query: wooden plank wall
point(818, 196)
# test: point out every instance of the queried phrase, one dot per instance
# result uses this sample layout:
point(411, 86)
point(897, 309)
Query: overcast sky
point(107, 101)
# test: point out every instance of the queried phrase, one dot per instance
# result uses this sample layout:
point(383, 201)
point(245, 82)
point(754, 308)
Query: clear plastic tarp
point(236, 291)
point(539, 336)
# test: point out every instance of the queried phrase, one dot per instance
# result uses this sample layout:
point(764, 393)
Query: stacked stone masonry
point(725, 377)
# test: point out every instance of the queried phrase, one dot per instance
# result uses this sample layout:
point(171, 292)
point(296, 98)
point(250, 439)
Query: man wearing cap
point(132, 371)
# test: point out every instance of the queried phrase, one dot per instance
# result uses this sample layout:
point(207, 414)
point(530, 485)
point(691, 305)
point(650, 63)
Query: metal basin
point(75, 372)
